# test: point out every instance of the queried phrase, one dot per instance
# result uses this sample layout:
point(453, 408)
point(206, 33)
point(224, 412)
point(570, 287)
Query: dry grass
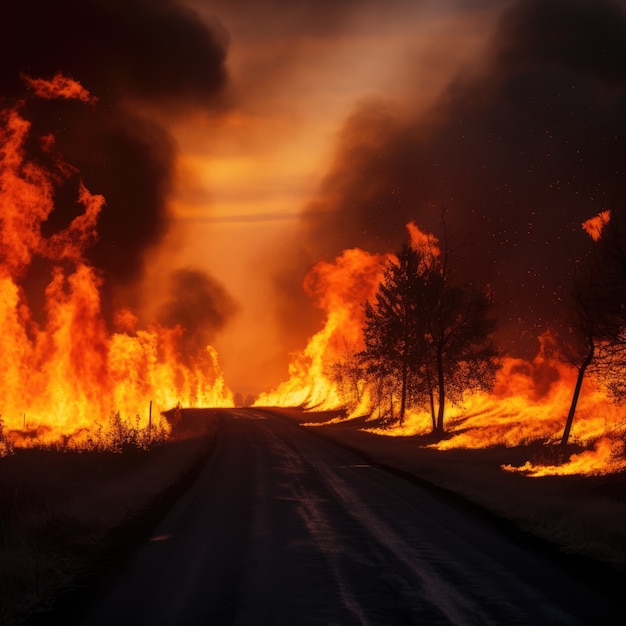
point(59, 511)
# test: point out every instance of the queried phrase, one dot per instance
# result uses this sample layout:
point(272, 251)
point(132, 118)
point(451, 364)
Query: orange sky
point(246, 172)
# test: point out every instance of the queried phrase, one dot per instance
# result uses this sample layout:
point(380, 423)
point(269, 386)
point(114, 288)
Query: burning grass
point(61, 514)
point(64, 361)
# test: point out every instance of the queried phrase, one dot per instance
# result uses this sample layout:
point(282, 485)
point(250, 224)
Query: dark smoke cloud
point(152, 49)
point(128, 54)
point(294, 18)
point(522, 149)
point(200, 305)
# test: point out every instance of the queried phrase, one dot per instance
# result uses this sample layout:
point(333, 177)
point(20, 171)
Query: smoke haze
point(130, 55)
point(271, 135)
point(522, 148)
point(199, 305)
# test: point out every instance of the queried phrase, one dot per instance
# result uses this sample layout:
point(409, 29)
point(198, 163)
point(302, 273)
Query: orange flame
point(528, 403)
point(595, 225)
point(64, 377)
point(59, 86)
point(340, 288)
point(425, 242)
point(605, 458)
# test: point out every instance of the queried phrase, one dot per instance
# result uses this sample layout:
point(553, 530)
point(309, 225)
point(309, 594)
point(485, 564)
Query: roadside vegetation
point(64, 514)
point(428, 336)
point(427, 333)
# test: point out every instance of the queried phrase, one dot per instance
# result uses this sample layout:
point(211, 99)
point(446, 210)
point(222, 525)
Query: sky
point(297, 72)
point(238, 143)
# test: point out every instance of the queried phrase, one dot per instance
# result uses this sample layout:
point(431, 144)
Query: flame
point(528, 403)
point(595, 225)
point(423, 241)
point(605, 458)
point(59, 86)
point(340, 288)
point(63, 376)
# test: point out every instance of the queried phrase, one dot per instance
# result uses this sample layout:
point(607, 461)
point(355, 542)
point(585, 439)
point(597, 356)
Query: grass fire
point(64, 375)
point(403, 230)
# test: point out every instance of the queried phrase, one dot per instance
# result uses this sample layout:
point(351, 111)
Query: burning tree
point(460, 347)
point(431, 330)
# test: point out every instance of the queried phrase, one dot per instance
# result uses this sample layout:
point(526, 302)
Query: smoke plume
point(522, 148)
point(198, 304)
point(131, 55)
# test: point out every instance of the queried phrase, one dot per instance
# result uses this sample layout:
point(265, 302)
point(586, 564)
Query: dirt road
point(283, 527)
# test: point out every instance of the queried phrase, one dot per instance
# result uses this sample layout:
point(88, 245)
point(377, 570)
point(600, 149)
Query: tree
point(430, 329)
point(610, 258)
point(348, 374)
point(594, 338)
point(394, 331)
point(460, 350)
point(579, 345)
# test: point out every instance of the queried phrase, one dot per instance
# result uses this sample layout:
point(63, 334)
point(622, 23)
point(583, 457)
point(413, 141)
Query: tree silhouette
point(394, 331)
point(460, 350)
point(611, 258)
point(580, 341)
point(348, 374)
point(429, 331)
point(594, 338)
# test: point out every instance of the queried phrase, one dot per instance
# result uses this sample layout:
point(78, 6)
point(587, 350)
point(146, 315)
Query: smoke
point(200, 305)
point(522, 147)
point(132, 56)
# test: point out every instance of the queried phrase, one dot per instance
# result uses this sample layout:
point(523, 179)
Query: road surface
point(283, 527)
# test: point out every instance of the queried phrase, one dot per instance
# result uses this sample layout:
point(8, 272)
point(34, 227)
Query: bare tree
point(611, 258)
point(595, 337)
point(461, 350)
point(460, 354)
point(580, 341)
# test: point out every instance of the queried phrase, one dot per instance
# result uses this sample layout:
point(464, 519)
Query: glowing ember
point(65, 375)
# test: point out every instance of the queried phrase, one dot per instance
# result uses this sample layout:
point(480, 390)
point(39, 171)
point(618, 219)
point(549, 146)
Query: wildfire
point(528, 403)
point(605, 458)
point(63, 376)
point(339, 288)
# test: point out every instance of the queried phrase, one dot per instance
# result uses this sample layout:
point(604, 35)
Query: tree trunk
point(432, 408)
point(579, 383)
point(442, 390)
point(405, 371)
